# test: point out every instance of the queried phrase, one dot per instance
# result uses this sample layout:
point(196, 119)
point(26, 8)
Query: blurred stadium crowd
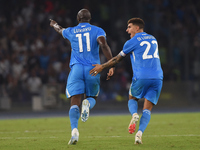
point(32, 54)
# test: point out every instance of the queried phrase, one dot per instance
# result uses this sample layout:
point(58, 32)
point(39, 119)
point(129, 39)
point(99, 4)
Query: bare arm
point(104, 47)
point(57, 27)
point(112, 62)
point(99, 68)
point(107, 53)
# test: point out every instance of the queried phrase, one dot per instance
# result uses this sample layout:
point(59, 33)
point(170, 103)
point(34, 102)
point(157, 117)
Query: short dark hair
point(84, 15)
point(137, 21)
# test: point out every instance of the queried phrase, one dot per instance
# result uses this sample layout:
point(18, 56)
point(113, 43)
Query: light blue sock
point(132, 106)
point(92, 102)
point(144, 121)
point(74, 115)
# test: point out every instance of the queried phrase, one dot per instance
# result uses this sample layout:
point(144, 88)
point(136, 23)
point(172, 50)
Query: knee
point(76, 100)
point(147, 105)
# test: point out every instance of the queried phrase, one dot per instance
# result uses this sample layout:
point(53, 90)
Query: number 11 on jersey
point(80, 41)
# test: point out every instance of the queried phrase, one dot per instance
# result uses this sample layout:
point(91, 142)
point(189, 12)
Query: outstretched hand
point(97, 69)
point(52, 22)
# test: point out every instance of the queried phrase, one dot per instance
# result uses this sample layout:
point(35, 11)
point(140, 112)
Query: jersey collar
point(83, 23)
point(140, 33)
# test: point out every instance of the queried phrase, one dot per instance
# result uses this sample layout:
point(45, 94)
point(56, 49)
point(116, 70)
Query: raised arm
point(57, 27)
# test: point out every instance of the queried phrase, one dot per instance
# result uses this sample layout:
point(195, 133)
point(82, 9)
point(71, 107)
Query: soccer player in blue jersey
point(85, 40)
point(147, 73)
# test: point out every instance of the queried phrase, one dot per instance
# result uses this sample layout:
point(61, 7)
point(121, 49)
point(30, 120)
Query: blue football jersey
point(143, 50)
point(83, 39)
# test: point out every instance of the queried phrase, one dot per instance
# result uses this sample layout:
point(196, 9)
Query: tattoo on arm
point(112, 61)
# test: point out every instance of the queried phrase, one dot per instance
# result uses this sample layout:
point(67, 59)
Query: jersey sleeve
point(101, 32)
point(129, 46)
point(66, 33)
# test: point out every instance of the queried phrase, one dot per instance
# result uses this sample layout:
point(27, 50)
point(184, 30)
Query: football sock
point(74, 115)
point(144, 121)
point(132, 106)
point(139, 132)
point(92, 102)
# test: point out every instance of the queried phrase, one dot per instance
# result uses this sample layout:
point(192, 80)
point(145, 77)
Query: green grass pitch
point(168, 131)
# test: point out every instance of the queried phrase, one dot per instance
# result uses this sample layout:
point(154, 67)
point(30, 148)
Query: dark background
point(30, 51)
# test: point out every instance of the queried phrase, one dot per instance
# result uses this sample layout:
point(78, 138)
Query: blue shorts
point(146, 88)
point(81, 82)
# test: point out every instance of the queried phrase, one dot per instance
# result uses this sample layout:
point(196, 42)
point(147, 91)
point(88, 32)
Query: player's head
point(135, 25)
point(83, 16)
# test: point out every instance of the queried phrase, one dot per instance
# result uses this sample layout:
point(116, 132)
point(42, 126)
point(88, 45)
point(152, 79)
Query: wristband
point(55, 25)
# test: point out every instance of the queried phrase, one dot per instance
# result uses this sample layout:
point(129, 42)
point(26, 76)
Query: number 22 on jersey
point(145, 54)
point(80, 41)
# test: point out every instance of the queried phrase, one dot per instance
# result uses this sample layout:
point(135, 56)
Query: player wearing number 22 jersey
point(143, 50)
point(147, 73)
point(147, 65)
point(85, 52)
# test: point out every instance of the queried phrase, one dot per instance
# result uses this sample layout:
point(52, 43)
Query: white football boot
point(75, 137)
point(132, 125)
point(138, 137)
point(85, 110)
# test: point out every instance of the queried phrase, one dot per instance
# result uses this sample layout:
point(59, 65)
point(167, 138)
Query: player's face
point(132, 29)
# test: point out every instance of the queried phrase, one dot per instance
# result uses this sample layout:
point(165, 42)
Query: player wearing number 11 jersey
point(85, 41)
point(147, 73)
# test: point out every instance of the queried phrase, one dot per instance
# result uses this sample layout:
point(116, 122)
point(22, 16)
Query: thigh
point(75, 81)
point(146, 88)
point(153, 91)
point(92, 83)
point(137, 89)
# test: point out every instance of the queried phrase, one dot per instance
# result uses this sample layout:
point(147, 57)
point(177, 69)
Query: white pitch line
point(63, 131)
point(190, 135)
point(170, 135)
point(25, 138)
point(53, 137)
point(35, 131)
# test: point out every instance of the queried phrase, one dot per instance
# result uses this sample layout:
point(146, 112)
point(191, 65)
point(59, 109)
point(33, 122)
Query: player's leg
point(92, 101)
point(74, 90)
point(134, 96)
point(133, 108)
point(74, 112)
point(151, 99)
point(92, 87)
point(144, 120)
point(74, 115)
point(87, 104)
point(133, 104)
point(146, 115)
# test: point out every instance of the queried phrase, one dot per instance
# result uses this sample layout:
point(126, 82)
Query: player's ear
point(78, 18)
point(137, 27)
